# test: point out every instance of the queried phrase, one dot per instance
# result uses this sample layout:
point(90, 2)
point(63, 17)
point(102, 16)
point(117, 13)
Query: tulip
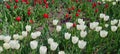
point(53, 46)
point(2, 37)
point(69, 25)
point(24, 33)
point(7, 6)
point(15, 6)
point(6, 46)
point(58, 28)
point(114, 28)
point(50, 40)
point(16, 1)
point(55, 22)
point(33, 44)
point(43, 50)
point(7, 38)
point(1, 49)
point(14, 44)
point(83, 34)
point(77, 15)
point(103, 33)
point(81, 27)
point(75, 39)
point(81, 22)
point(45, 15)
point(106, 25)
point(99, 28)
point(102, 15)
point(93, 25)
point(18, 18)
point(16, 36)
point(82, 44)
point(106, 18)
point(67, 35)
point(28, 28)
point(61, 52)
point(113, 22)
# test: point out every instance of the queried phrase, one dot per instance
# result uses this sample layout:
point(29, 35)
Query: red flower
point(45, 1)
point(16, 1)
point(45, 15)
point(15, 6)
point(29, 9)
point(99, 3)
point(106, 5)
point(31, 21)
point(78, 10)
point(94, 5)
point(7, 6)
point(96, 10)
point(77, 14)
point(18, 18)
point(76, 1)
point(67, 15)
point(73, 8)
point(74, 24)
point(29, 13)
point(46, 5)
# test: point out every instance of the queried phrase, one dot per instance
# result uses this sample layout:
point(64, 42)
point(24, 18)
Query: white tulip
point(20, 37)
point(114, 28)
point(75, 39)
point(114, 3)
point(53, 46)
point(7, 38)
point(58, 28)
point(106, 25)
point(99, 28)
point(2, 37)
point(82, 44)
point(113, 22)
point(106, 18)
point(50, 40)
point(67, 35)
point(33, 35)
point(93, 25)
point(38, 33)
point(55, 22)
point(81, 27)
point(69, 25)
point(24, 33)
point(83, 34)
point(43, 50)
point(102, 15)
point(103, 33)
point(1, 49)
point(14, 44)
point(61, 52)
point(33, 44)
point(15, 36)
point(6, 45)
point(28, 28)
point(81, 22)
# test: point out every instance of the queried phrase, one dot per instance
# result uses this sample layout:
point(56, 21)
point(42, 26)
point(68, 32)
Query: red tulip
point(67, 15)
point(77, 14)
point(78, 10)
point(94, 5)
point(46, 5)
point(106, 5)
point(45, 1)
point(72, 7)
point(15, 6)
point(18, 18)
point(7, 6)
point(29, 13)
point(45, 15)
point(16, 1)
point(74, 24)
point(96, 10)
point(31, 21)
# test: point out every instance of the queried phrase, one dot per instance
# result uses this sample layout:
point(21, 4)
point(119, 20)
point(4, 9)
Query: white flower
point(119, 23)
point(1, 49)
point(67, 35)
point(34, 35)
point(15, 36)
point(24, 33)
point(58, 28)
point(33, 44)
point(106, 25)
point(6, 45)
point(114, 3)
point(93, 25)
point(113, 22)
point(43, 50)
point(81, 22)
point(14, 44)
point(53, 46)
point(38, 33)
point(102, 15)
point(99, 28)
point(103, 33)
point(20, 37)
point(75, 39)
point(114, 28)
point(50, 40)
point(55, 22)
point(61, 52)
point(83, 34)
point(81, 27)
point(106, 18)
point(28, 28)
point(2, 37)
point(7, 38)
point(82, 44)
point(69, 25)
